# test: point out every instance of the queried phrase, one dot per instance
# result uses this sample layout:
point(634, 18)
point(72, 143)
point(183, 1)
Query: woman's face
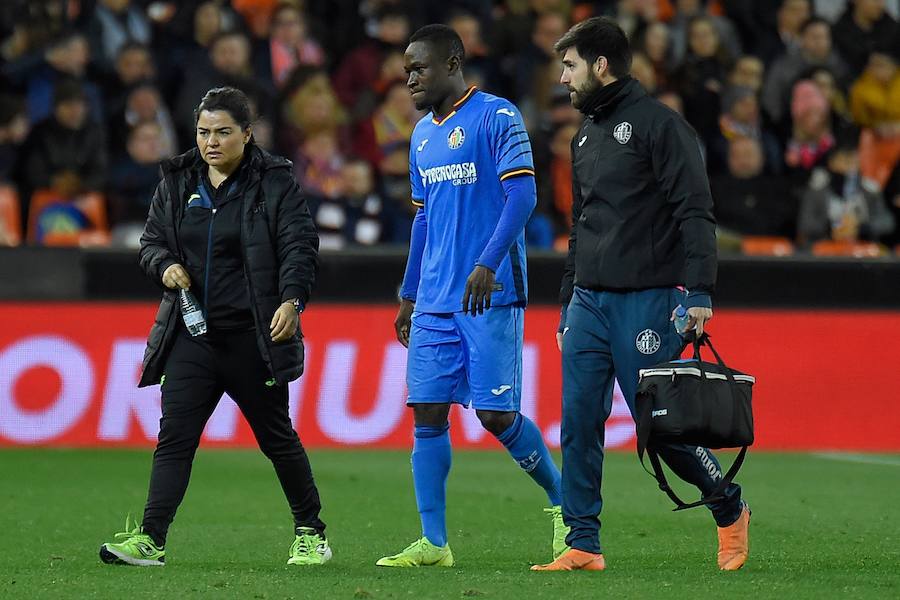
point(703, 39)
point(220, 139)
point(657, 42)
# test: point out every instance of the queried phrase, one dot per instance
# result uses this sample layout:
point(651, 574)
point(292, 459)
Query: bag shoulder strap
point(714, 496)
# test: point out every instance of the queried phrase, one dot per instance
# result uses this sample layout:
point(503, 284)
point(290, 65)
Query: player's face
point(220, 139)
point(426, 76)
point(577, 77)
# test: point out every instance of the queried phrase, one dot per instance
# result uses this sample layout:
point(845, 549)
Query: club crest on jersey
point(622, 132)
point(647, 341)
point(456, 138)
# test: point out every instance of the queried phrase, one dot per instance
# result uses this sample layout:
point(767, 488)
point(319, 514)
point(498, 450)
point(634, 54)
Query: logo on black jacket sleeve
point(622, 132)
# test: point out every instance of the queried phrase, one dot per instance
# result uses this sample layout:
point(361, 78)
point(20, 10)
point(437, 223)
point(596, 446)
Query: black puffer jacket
point(280, 248)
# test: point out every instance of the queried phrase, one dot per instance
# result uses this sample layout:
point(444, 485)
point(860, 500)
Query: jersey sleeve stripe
point(417, 202)
point(517, 173)
point(512, 147)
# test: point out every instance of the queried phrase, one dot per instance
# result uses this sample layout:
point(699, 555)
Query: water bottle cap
point(680, 311)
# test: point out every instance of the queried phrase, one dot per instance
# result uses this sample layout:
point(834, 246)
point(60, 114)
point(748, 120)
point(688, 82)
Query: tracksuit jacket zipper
point(209, 240)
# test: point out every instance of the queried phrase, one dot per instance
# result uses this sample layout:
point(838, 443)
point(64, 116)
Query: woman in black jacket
point(228, 222)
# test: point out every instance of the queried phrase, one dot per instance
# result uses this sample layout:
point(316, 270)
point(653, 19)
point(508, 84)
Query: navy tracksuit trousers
point(609, 336)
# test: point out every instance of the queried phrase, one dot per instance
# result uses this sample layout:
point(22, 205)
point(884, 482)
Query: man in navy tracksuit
point(642, 242)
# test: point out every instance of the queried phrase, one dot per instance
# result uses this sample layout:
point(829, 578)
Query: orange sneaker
point(574, 560)
point(734, 542)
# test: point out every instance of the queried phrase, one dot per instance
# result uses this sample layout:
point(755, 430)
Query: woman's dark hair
point(228, 99)
point(596, 37)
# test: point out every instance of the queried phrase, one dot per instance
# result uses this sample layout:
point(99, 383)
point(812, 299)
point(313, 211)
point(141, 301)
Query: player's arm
point(521, 198)
point(410, 286)
point(678, 167)
point(511, 151)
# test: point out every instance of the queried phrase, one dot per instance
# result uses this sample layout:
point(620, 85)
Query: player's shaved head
point(433, 63)
point(445, 43)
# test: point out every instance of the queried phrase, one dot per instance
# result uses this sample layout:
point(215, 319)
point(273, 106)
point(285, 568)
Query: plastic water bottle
point(681, 319)
point(192, 314)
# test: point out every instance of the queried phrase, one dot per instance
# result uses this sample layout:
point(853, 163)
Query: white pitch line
point(866, 459)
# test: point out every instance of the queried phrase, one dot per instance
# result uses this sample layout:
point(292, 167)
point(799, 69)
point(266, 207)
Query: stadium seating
point(849, 249)
point(752, 245)
point(10, 219)
point(56, 221)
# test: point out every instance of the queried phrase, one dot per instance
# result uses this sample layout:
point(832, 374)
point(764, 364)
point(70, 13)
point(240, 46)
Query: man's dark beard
point(585, 91)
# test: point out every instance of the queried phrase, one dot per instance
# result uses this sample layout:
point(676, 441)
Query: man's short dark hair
point(596, 37)
point(814, 21)
point(68, 89)
point(443, 38)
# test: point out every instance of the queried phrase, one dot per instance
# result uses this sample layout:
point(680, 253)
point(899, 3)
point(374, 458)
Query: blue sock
point(526, 445)
point(431, 465)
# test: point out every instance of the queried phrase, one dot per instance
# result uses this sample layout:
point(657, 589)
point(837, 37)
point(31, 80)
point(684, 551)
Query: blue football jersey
point(456, 166)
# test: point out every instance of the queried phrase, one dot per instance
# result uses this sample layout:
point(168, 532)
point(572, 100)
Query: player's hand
point(697, 318)
point(479, 286)
point(176, 276)
point(404, 321)
point(284, 323)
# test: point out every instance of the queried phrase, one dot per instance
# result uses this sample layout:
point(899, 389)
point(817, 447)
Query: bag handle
point(714, 496)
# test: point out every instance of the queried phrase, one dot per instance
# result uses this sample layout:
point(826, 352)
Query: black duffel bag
point(698, 403)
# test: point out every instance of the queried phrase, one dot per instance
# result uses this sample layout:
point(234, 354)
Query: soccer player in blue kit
point(464, 292)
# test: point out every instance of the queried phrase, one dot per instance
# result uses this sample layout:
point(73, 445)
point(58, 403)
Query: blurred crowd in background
point(796, 103)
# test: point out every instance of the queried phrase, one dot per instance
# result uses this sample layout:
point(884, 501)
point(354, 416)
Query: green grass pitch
point(822, 528)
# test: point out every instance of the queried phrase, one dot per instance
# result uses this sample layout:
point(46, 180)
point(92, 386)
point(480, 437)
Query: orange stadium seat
point(753, 245)
point(10, 219)
point(854, 249)
point(91, 205)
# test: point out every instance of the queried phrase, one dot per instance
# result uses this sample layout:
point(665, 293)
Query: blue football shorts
point(473, 361)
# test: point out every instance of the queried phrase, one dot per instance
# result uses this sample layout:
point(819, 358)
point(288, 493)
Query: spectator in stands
point(66, 152)
point(537, 68)
point(748, 202)
point(642, 70)
point(66, 58)
point(113, 24)
point(748, 72)
point(701, 78)
point(318, 165)
point(383, 139)
point(672, 100)
point(812, 137)
point(132, 180)
point(355, 216)
point(863, 27)
point(143, 103)
point(815, 51)
point(134, 65)
point(875, 105)
point(481, 69)
point(309, 105)
point(290, 44)
point(229, 57)
point(14, 128)
point(892, 200)
point(688, 11)
point(741, 119)
point(362, 66)
point(656, 44)
point(839, 204)
point(785, 38)
point(841, 119)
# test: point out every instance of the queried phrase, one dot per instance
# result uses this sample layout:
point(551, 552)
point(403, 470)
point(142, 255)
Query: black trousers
point(197, 372)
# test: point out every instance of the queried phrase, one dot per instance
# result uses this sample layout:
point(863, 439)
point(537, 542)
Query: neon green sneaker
point(560, 531)
point(309, 548)
point(420, 553)
point(135, 548)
